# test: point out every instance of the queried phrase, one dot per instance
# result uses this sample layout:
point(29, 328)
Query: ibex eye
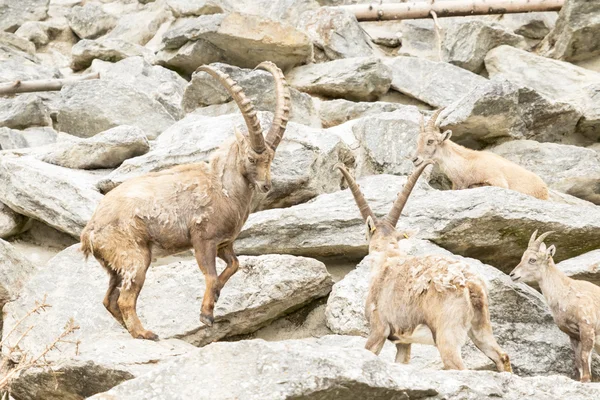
point(430, 142)
point(532, 261)
point(252, 160)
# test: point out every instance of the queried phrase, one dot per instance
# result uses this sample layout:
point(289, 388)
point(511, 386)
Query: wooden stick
point(394, 11)
point(44, 85)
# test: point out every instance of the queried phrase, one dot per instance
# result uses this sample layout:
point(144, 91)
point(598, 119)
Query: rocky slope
point(524, 86)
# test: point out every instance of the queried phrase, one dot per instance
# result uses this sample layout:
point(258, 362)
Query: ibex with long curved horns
point(200, 206)
point(433, 300)
point(468, 168)
point(575, 305)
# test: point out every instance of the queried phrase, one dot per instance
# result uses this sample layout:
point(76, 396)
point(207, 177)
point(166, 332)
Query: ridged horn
point(282, 104)
point(431, 124)
point(362, 204)
point(538, 242)
point(532, 239)
point(402, 198)
point(257, 141)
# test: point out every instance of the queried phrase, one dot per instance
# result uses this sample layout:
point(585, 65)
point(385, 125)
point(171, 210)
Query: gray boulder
point(29, 187)
point(418, 39)
point(259, 87)
point(17, 42)
point(466, 44)
point(243, 40)
point(562, 167)
point(90, 21)
point(187, 8)
point(532, 25)
point(15, 270)
point(190, 56)
point(500, 110)
point(519, 315)
point(113, 50)
point(435, 83)
point(301, 170)
point(11, 223)
point(159, 83)
point(264, 288)
point(575, 35)
point(336, 112)
point(23, 111)
point(89, 107)
point(552, 78)
point(14, 13)
point(490, 224)
point(312, 369)
point(588, 100)
point(286, 11)
point(107, 149)
point(336, 33)
point(30, 137)
point(359, 78)
point(140, 26)
point(21, 65)
point(585, 267)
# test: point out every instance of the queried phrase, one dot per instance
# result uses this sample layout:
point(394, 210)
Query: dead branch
point(395, 11)
point(44, 85)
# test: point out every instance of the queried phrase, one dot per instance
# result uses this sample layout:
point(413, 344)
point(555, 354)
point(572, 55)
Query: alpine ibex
point(433, 300)
point(468, 168)
point(200, 206)
point(575, 305)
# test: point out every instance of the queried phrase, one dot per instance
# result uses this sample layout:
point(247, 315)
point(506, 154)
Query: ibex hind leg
point(378, 335)
point(133, 281)
point(449, 347)
point(112, 294)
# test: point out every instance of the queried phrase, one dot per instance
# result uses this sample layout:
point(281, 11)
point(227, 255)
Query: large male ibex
point(468, 168)
point(431, 300)
point(200, 206)
point(575, 305)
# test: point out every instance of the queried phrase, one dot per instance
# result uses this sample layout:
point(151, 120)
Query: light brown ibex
point(468, 168)
point(575, 305)
point(433, 300)
point(200, 206)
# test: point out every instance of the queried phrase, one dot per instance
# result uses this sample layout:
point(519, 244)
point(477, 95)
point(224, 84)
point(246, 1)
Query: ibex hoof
point(207, 320)
point(148, 335)
point(586, 379)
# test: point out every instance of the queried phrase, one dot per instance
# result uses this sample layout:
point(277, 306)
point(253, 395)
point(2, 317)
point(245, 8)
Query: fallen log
point(44, 85)
point(395, 11)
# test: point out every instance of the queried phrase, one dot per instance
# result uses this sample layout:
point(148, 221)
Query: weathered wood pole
point(44, 85)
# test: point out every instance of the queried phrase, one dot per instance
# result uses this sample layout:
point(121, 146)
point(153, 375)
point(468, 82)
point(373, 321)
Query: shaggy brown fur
point(468, 168)
point(200, 206)
point(575, 305)
point(433, 300)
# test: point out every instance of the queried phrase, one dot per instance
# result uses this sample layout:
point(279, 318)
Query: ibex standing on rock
point(200, 206)
point(433, 300)
point(575, 305)
point(468, 168)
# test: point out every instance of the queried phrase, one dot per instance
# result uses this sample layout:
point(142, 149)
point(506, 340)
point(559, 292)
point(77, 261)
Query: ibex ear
point(551, 250)
point(446, 135)
point(239, 136)
point(371, 228)
point(542, 248)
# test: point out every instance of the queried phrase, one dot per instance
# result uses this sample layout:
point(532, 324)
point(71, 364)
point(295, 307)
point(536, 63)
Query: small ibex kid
point(468, 168)
point(200, 206)
point(575, 305)
point(433, 300)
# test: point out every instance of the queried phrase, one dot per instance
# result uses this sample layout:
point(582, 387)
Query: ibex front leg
point(226, 254)
point(206, 253)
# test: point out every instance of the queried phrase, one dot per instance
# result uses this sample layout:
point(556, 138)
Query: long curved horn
point(532, 240)
point(431, 124)
point(257, 141)
point(538, 242)
point(402, 198)
point(362, 204)
point(282, 104)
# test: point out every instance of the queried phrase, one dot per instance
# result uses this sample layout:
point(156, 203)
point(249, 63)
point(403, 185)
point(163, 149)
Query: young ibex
point(575, 305)
point(200, 206)
point(468, 168)
point(433, 300)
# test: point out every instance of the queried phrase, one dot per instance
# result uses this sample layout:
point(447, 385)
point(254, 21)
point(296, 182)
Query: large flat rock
point(264, 288)
point(15, 12)
point(11, 223)
point(297, 369)
point(585, 267)
point(301, 170)
point(62, 198)
point(490, 224)
point(521, 320)
point(435, 83)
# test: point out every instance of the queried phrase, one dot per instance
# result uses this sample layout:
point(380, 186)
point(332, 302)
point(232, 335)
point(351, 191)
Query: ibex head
point(380, 231)
point(535, 259)
point(430, 138)
point(255, 152)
